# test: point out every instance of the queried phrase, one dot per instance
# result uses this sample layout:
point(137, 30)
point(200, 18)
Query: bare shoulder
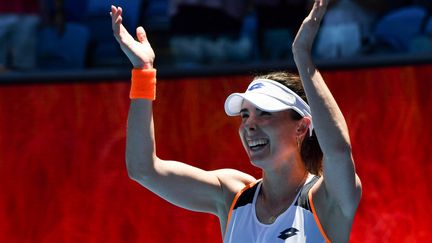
point(232, 181)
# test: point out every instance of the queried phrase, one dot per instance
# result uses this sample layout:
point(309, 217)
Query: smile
point(256, 144)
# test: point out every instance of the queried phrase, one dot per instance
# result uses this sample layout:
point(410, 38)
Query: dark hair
point(310, 150)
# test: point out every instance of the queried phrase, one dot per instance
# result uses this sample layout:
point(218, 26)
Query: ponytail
point(310, 150)
point(311, 154)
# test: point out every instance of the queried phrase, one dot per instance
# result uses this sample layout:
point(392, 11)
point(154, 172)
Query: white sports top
point(298, 223)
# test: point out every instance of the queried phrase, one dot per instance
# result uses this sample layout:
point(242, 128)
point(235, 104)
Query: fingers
point(115, 9)
point(116, 20)
point(115, 13)
point(141, 34)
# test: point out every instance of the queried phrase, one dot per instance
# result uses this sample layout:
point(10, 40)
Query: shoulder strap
point(242, 198)
point(303, 199)
point(246, 195)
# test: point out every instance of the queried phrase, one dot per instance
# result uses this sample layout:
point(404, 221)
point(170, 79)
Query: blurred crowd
point(76, 34)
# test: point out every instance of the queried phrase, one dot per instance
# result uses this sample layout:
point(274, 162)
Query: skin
point(337, 193)
point(279, 159)
point(278, 129)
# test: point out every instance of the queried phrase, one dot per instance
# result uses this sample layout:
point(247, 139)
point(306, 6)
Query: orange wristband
point(143, 84)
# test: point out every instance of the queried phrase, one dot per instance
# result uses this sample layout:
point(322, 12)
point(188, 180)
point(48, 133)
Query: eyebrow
point(246, 110)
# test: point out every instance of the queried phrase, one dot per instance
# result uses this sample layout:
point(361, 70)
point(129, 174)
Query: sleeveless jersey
point(298, 223)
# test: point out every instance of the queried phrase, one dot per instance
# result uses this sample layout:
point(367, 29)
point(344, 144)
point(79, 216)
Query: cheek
point(284, 138)
point(241, 135)
point(240, 131)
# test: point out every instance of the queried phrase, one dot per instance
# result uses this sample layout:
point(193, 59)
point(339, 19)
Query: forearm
point(340, 187)
point(329, 123)
point(330, 127)
point(140, 141)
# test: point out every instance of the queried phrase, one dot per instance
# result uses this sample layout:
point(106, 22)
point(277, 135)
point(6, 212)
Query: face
point(268, 138)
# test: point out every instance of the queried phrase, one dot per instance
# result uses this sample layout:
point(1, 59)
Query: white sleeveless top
point(298, 223)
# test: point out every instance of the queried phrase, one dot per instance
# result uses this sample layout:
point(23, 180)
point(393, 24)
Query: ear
point(303, 126)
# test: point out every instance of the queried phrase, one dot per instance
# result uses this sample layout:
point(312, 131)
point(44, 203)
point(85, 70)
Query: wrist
point(146, 65)
point(143, 84)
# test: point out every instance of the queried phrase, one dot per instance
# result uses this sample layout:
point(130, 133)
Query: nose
point(250, 124)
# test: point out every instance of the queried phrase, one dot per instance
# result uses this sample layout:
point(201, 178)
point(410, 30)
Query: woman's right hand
point(139, 52)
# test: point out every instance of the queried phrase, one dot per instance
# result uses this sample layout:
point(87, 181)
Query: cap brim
point(261, 101)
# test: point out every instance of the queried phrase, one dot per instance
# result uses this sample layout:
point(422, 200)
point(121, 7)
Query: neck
point(282, 184)
point(279, 189)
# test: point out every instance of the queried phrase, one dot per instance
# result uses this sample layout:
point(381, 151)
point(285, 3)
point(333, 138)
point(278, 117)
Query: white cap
point(270, 96)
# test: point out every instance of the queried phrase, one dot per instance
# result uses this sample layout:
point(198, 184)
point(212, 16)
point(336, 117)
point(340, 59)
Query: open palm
point(139, 51)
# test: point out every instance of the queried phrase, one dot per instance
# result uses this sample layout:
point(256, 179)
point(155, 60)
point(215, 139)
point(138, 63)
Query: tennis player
point(291, 128)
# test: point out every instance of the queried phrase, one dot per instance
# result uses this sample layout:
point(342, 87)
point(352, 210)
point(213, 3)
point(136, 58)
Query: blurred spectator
point(208, 31)
point(278, 20)
point(397, 30)
point(423, 42)
point(345, 28)
point(59, 12)
point(63, 38)
point(103, 48)
point(156, 21)
point(382, 7)
point(18, 27)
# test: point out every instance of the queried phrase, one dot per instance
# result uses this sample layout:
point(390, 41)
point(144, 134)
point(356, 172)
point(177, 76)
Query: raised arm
point(339, 189)
point(181, 184)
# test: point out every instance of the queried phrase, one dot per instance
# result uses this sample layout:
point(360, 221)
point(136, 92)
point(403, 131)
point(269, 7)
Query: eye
point(244, 115)
point(265, 113)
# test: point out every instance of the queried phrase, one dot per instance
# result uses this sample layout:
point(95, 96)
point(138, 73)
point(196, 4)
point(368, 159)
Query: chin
point(258, 162)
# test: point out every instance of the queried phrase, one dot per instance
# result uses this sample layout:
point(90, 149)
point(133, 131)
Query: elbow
point(132, 170)
point(133, 174)
point(139, 170)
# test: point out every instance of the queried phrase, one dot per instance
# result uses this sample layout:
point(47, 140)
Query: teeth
point(256, 142)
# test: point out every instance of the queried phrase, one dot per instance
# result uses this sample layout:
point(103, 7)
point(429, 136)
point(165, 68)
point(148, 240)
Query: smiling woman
point(275, 121)
point(264, 135)
point(310, 150)
point(296, 200)
point(264, 102)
